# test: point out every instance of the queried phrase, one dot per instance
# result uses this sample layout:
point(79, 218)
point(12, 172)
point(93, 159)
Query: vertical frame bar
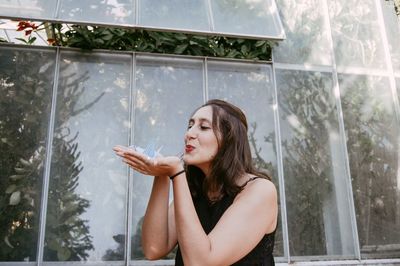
point(129, 211)
point(279, 159)
point(342, 133)
point(46, 176)
point(205, 80)
point(388, 59)
point(57, 9)
point(210, 15)
point(136, 10)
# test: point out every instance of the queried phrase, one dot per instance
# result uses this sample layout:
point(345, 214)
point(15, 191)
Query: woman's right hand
point(158, 166)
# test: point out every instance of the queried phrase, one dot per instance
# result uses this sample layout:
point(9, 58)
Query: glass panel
point(87, 196)
point(373, 145)
point(236, 18)
point(168, 91)
point(106, 11)
point(28, 8)
point(392, 25)
point(318, 208)
point(257, 17)
point(26, 82)
point(356, 34)
point(227, 81)
point(307, 37)
point(180, 14)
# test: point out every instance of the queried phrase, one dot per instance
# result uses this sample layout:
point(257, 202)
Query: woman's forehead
point(203, 113)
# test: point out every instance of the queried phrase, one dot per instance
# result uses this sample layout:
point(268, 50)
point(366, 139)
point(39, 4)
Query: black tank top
point(209, 215)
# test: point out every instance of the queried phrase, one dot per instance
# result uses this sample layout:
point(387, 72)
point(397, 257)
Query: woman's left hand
point(158, 166)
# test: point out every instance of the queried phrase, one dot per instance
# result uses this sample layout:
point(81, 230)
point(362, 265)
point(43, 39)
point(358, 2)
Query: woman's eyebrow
point(192, 120)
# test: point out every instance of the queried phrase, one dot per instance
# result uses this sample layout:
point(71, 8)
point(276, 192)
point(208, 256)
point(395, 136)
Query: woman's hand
point(158, 166)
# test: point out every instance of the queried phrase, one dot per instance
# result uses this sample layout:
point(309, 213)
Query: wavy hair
point(233, 158)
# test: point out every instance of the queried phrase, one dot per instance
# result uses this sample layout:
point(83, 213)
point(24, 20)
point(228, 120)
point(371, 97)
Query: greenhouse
point(319, 81)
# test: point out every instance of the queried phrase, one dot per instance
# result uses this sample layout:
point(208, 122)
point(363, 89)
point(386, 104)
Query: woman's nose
point(191, 133)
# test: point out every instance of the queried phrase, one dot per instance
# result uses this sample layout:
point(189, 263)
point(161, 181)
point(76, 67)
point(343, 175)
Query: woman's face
point(201, 144)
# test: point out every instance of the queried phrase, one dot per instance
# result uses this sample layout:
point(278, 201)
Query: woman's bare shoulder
point(259, 188)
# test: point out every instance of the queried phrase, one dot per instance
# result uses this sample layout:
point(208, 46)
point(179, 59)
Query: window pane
point(168, 91)
point(314, 167)
point(108, 11)
point(236, 18)
point(179, 14)
point(87, 195)
point(356, 34)
point(26, 83)
point(392, 26)
point(372, 141)
point(258, 17)
point(307, 37)
point(250, 87)
point(28, 8)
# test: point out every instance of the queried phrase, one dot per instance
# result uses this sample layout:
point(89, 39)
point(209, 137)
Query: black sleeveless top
point(209, 215)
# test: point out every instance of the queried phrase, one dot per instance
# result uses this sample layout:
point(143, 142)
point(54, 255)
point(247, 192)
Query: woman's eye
point(204, 127)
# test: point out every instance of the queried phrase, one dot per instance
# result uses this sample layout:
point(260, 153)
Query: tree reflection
point(307, 117)
point(25, 107)
point(373, 145)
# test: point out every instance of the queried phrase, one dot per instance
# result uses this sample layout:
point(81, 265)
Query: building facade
point(324, 120)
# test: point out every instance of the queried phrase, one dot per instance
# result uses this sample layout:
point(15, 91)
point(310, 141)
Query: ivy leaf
point(15, 198)
point(11, 189)
point(63, 254)
point(232, 54)
point(180, 48)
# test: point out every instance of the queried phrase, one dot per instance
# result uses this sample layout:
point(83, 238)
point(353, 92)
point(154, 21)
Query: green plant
point(123, 39)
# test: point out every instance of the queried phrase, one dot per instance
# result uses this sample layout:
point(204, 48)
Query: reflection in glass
point(392, 26)
point(168, 91)
point(26, 83)
point(179, 14)
point(87, 195)
point(373, 146)
point(28, 8)
point(356, 34)
point(307, 39)
point(251, 88)
point(106, 11)
point(256, 17)
point(314, 167)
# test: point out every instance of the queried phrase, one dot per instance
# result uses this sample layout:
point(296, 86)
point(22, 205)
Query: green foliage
point(89, 38)
point(124, 39)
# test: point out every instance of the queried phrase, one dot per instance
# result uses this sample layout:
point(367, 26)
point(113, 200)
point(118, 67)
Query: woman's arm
point(158, 231)
point(242, 226)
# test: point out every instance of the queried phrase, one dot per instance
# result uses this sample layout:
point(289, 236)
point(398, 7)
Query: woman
point(223, 211)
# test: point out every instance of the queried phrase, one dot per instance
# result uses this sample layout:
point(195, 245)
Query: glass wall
point(238, 18)
point(339, 122)
point(26, 84)
point(324, 121)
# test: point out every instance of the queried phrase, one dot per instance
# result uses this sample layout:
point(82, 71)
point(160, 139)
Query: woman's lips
point(189, 148)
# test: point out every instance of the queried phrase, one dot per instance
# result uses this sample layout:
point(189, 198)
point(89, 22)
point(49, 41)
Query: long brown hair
point(233, 158)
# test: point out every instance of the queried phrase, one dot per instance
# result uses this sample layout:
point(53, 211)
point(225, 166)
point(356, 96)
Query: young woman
point(223, 212)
